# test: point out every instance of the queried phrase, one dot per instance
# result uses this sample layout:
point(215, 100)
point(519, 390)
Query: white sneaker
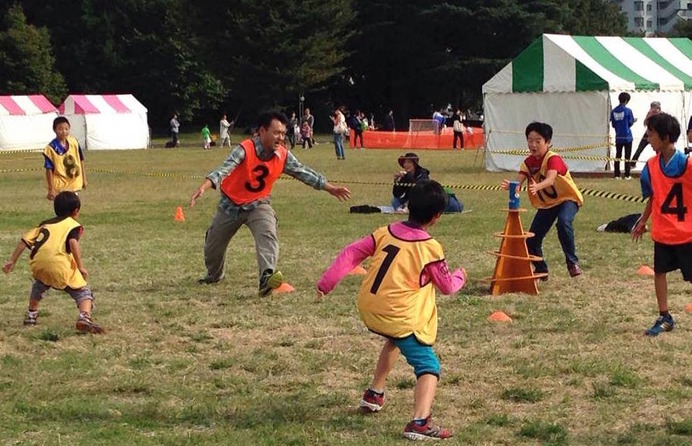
point(628, 178)
point(602, 228)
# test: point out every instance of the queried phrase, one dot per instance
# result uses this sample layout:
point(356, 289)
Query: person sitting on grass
point(412, 173)
point(397, 300)
point(666, 181)
point(553, 193)
point(56, 261)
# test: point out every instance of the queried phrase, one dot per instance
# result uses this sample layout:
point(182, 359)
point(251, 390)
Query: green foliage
point(522, 395)
point(549, 433)
point(27, 65)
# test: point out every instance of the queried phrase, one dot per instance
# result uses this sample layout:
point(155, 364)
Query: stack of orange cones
point(688, 308)
point(179, 215)
point(645, 271)
point(284, 288)
point(358, 271)
point(499, 316)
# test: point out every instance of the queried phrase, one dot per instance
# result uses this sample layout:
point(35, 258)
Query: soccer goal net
point(426, 126)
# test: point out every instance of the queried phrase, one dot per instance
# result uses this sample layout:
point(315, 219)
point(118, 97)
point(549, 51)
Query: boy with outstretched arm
point(397, 300)
point(56, 261)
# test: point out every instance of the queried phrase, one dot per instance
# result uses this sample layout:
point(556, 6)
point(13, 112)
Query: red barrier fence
point(418, 140)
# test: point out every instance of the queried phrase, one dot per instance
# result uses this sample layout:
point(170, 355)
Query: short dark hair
point(543, 129)
point(624, 98)
point(426, 200)
point(65, 203)
point(665, 125)
point(60, 120)
point(265, 119)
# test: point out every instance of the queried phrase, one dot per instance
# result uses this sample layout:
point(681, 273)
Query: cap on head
point(409, 156)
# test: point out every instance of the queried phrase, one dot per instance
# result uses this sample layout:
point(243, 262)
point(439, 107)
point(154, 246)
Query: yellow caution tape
point(483, 187)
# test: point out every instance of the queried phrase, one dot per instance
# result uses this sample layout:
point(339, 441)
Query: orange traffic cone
point(688, 308)
point(645, 271)
point(284, 288)
point(499, 316)
point(179, 215)
point(358, 271)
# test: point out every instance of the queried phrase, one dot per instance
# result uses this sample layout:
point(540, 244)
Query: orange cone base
point(284, 288)
point(358, 271)
point(688, 308)
point(645, 271)
point(179, 214)
point(499, 316)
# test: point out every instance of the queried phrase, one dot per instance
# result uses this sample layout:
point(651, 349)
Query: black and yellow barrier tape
point(473, 187)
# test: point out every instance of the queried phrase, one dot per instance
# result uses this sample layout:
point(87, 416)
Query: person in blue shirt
point(622, 119)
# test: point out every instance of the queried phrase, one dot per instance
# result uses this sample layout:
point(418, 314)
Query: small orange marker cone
point(358, 271)
point(179, 215)
point(499, 316)
point(688, 308)
point(284, 288)
point(645, 271)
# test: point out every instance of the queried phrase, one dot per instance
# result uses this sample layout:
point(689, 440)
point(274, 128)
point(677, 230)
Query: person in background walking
point(458, 127)
point(340, 129)
point(175, 130)
point(389, 124)
point(622, 119)
point(654, 109)
point(225, 131)
point(292, 129)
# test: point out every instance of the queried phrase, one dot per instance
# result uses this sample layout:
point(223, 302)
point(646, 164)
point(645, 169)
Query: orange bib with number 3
point(253, 179)
point(393, 300)
point(671, 222)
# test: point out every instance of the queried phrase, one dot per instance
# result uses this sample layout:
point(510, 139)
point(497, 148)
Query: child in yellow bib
point(63, 161)
point(397, 300)
point(56, 261)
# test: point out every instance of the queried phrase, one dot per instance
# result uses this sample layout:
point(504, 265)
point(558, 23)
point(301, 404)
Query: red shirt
point(554, 163)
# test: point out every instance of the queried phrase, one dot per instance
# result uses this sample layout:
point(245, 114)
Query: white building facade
point(654, 16)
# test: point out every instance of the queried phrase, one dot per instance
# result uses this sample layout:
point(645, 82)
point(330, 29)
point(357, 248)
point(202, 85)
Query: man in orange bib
point(666, 181)
point(246, 178)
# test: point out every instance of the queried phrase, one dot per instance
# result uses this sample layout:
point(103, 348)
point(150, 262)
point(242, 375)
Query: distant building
point(654, 16)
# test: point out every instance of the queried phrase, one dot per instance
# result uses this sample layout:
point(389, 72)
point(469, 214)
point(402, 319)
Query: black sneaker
point(270, 281)
point(206, 280)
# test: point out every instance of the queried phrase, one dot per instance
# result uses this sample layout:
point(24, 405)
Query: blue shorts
point(420, 356)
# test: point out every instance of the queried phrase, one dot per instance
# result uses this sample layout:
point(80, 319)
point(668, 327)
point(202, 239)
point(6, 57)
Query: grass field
point(184, 364)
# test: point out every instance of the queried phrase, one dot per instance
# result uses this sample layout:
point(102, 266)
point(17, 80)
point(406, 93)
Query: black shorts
point(668, 258)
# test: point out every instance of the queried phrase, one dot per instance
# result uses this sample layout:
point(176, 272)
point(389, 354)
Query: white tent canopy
point(26, 122)
point(572, 83)
point(107, 122)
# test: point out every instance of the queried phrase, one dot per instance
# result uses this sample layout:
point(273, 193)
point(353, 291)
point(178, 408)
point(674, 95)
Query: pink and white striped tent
point(107, 122)
point(26, 122)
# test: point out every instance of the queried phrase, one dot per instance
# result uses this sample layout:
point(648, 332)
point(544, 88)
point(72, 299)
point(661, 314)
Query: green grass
point(184, 364)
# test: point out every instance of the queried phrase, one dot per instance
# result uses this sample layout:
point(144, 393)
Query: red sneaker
point(371, 402)
point(428, 431)
point(573, 269)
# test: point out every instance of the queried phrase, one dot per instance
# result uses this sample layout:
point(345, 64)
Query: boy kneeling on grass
point(397, 300)
point(56, 261)
point(666, 181)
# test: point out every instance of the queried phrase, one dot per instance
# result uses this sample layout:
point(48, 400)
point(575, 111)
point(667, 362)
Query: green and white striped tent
point(572, 83)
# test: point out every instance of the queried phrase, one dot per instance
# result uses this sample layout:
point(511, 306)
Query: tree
point(269, 52)
point(27, 65)
point(144, 47)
